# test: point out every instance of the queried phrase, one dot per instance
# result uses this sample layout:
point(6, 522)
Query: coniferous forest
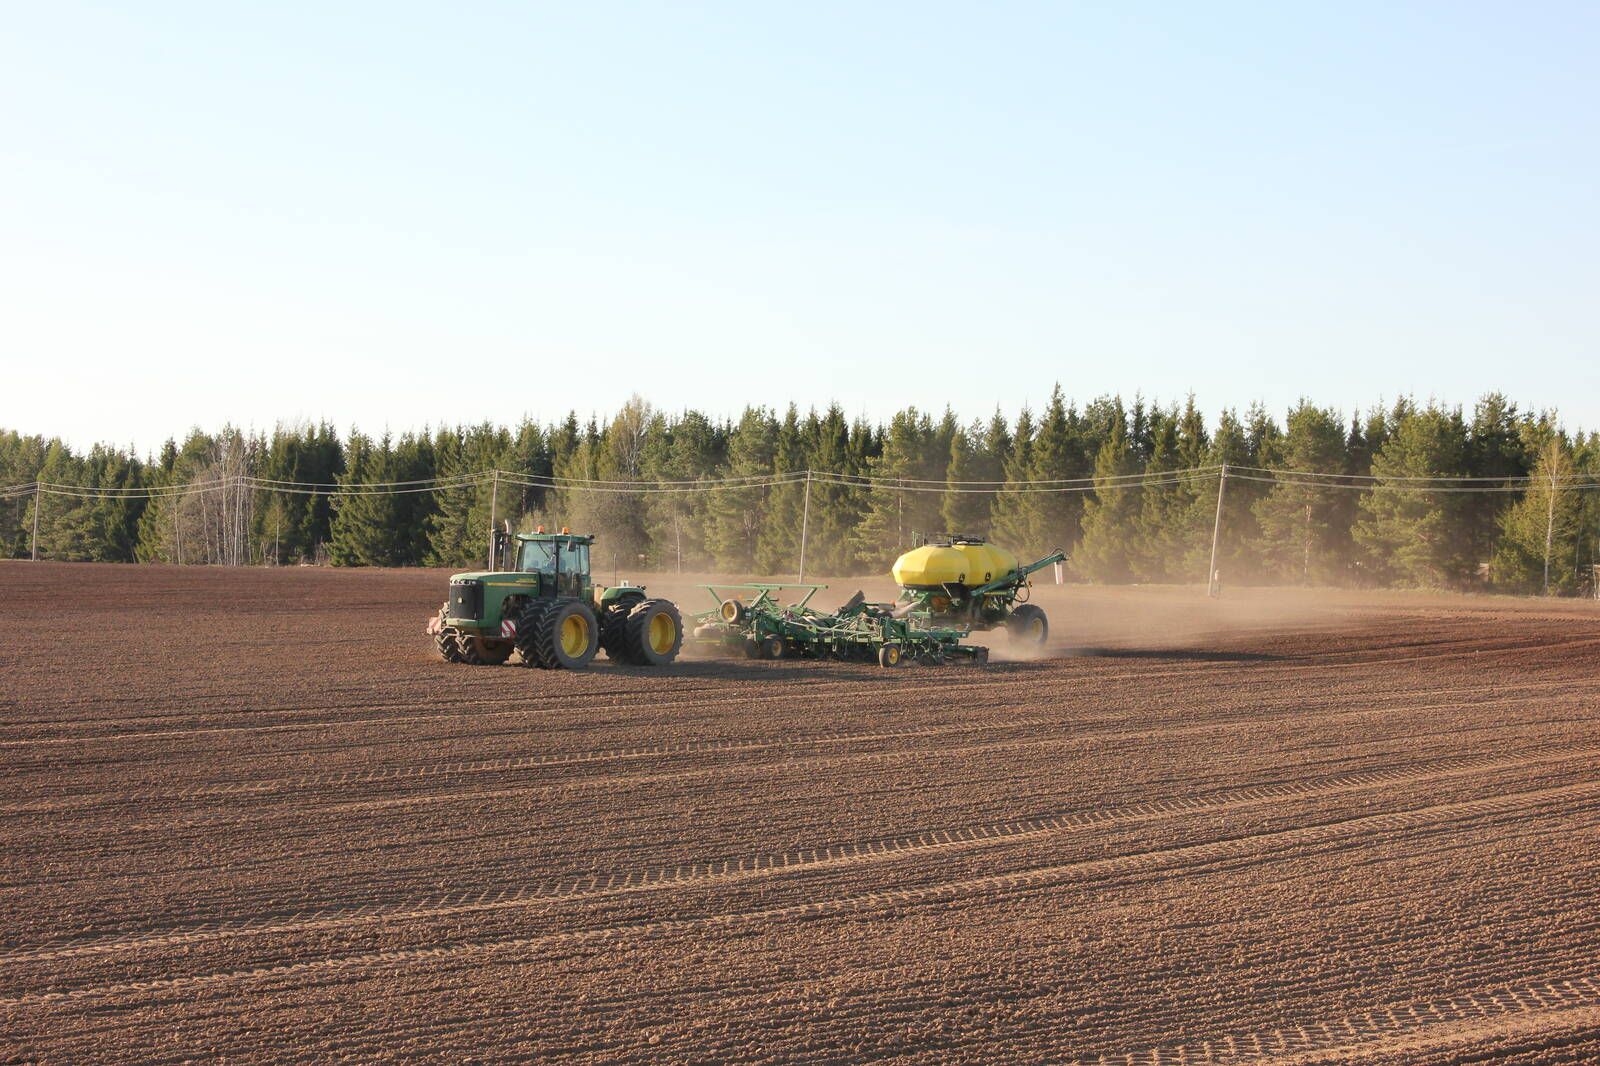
point(1530, 524)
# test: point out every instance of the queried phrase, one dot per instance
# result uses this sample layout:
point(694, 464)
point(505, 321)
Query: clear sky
point(395, 215)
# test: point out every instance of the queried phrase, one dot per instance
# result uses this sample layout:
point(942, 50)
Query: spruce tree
point(1110, 515)
point(1302, 535)
point(1016, 510)
point(1406, 534)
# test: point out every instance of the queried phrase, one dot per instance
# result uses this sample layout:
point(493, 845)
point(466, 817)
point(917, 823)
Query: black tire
point(981, 656)
point(654, 633)
point(732, 612)
point(444, 641)
point(568, 636)
point(530, 623)
point(770, 647)
point(750, 648)
point(614, 632)
point(1028, 627)
point(889, 655)
point(482, 651)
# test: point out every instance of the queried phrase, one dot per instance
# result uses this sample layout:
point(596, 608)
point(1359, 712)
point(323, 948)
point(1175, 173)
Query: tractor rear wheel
point(614, 632)
point(567, 636)
point(482, 651)
point(654, 633)
point(1028, 627)
point(445, 639)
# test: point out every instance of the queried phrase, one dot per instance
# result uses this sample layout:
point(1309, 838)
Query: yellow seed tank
point(939, 565)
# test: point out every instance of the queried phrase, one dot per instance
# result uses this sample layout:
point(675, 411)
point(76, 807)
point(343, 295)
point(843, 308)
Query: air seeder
point(963, 580)
point(750, 618)
point(544, 606)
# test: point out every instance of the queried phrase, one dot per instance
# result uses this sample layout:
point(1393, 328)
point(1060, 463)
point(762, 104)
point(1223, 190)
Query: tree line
point(1135, 517)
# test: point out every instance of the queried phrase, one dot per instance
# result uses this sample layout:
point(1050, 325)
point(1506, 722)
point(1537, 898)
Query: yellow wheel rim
point(893, 655)
point(662, 633)
point(730, 610)
point(575, 635)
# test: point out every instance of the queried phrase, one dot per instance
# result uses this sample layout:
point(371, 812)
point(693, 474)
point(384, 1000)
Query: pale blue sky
point(392, 215)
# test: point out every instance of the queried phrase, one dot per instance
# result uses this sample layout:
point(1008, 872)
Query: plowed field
point(247, 815)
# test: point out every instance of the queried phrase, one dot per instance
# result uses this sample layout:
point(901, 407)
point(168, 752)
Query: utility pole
point(494, 503)
point(38, 495)
point(805, 520)
point(1212, 583)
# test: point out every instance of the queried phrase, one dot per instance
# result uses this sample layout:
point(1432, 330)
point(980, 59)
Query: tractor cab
point(559, 560)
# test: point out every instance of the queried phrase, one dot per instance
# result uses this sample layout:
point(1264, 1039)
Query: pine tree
point(736, 516)
point(1407, 535)
point(1495, 449)
point(1106, 551)
point(1016, 510)
point(1303, 537)
point(365, 529)
point(894, 513)
point(778, 542)
point(1058, 455)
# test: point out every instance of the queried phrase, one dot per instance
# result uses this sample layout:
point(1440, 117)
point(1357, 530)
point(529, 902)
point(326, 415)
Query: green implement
point(751, 619)
point(989, 602)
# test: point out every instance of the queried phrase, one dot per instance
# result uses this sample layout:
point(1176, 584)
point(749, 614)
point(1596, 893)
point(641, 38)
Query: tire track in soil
point(670, 748)
point(987, 724)
point(715, 872)
point(1495, 1011)
point(1312, 661)
point(1191, 856)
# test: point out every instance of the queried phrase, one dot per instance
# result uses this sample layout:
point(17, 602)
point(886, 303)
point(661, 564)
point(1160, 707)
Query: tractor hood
point(497, 576)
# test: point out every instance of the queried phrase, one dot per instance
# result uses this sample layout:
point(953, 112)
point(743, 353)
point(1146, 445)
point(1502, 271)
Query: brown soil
point(247, 815)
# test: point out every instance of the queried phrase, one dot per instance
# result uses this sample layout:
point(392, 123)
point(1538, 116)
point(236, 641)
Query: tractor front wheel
point(481, 651)
point(1028, 627)
point(444, 639)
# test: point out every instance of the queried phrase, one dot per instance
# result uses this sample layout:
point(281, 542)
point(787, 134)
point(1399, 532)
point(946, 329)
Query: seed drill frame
point(751, 619)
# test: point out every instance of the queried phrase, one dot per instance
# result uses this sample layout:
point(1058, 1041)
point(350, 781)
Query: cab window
point(575, 558)
point(538, 557)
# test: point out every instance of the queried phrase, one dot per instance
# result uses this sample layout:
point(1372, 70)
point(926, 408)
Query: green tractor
point(537, 599)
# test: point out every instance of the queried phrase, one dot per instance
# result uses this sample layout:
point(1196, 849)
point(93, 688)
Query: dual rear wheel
point(642, 633)
point(557, 634)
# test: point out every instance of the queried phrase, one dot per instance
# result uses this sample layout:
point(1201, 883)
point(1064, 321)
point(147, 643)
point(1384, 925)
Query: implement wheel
point(770, 648)
point(654, 633)
point(1028, 627)
point(732, 612)
point(482, 651)
point(890, 656)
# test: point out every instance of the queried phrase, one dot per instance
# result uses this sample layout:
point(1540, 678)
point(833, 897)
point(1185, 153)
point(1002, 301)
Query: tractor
point(537, 599)
point(959, 579)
